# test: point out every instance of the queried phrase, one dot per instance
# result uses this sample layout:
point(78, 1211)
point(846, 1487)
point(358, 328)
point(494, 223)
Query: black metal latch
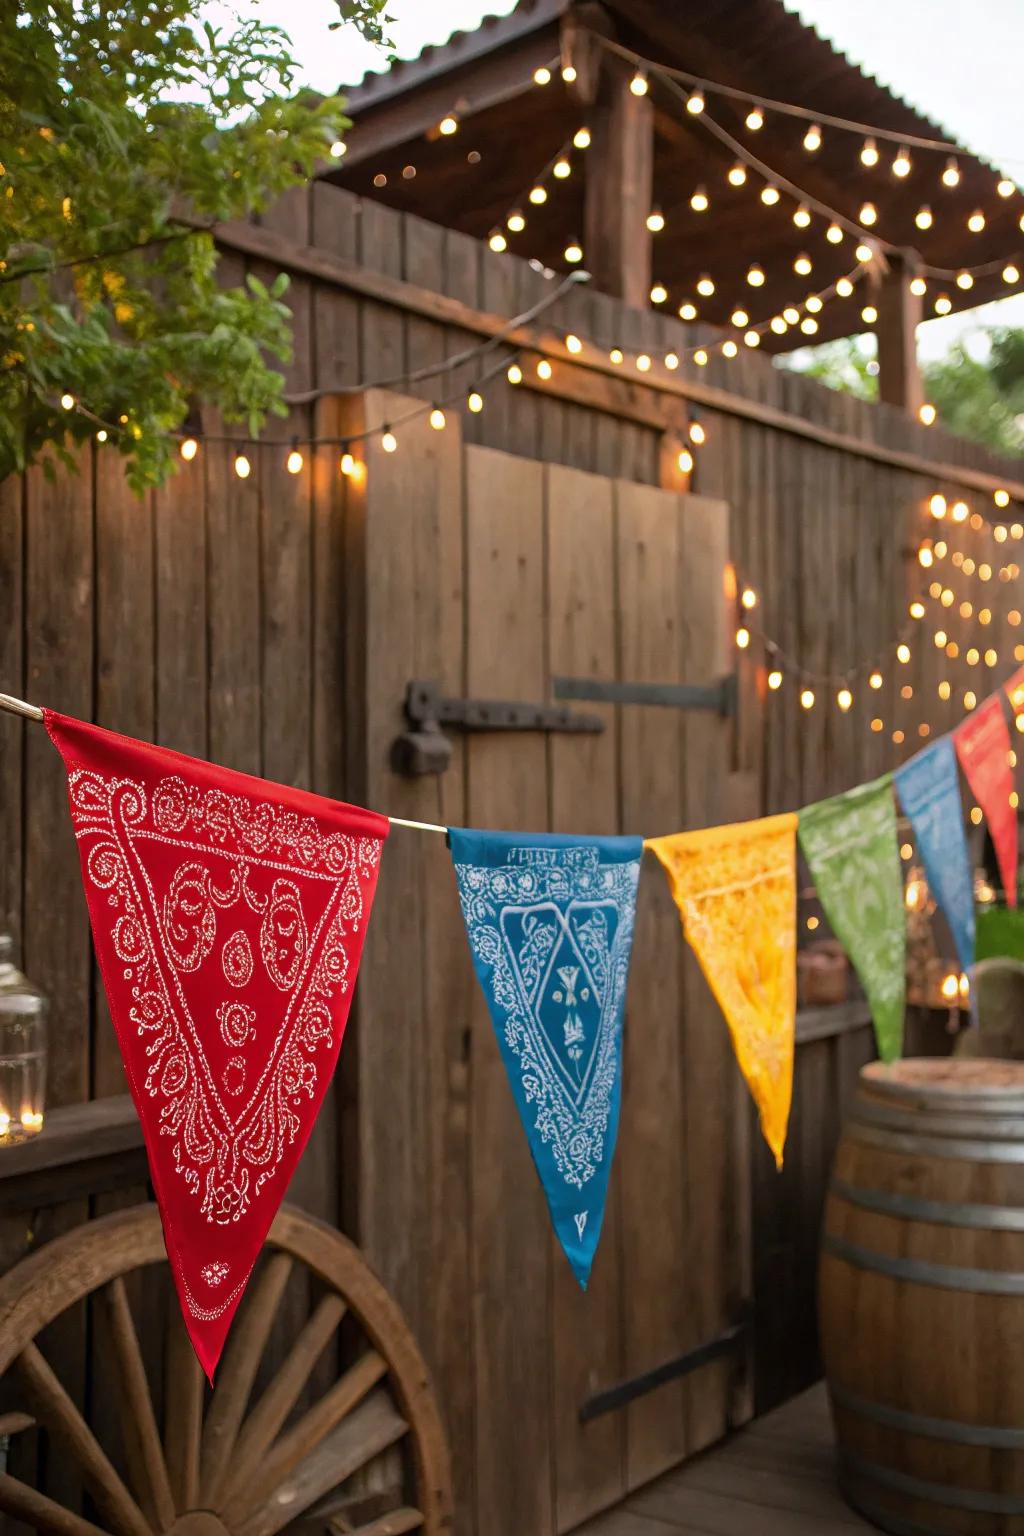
point(424, 748)
point(719, 696)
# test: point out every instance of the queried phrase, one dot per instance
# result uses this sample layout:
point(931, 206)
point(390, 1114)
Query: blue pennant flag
point(550, 925)
point(929, 788)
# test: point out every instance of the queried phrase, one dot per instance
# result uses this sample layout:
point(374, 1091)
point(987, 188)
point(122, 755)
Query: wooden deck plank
point(774, 1477)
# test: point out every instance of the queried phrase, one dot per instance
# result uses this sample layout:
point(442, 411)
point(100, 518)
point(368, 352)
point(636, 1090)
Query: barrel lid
point(941, 1080)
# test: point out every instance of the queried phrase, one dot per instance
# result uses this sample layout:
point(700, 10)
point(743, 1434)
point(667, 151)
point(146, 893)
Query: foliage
point(978, 398)
point(983, 400)
point(127, 129)
point(369, 17)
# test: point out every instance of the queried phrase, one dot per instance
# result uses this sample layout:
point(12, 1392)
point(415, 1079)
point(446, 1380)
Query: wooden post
point(617, 242)
point(899, 314)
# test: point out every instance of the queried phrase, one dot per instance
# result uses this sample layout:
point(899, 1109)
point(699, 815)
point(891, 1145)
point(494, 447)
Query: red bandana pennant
point(228, 916)
point(983, 747)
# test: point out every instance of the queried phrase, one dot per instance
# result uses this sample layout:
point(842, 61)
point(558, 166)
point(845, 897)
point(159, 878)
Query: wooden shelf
point(83, 1149)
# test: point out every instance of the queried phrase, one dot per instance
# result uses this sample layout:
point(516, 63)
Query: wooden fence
point(272, 625)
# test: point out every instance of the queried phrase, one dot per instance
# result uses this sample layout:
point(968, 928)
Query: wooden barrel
point(922, 1298)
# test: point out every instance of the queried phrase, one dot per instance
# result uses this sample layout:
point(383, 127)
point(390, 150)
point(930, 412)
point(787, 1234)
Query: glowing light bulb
point(755, 119)
point(834, 234)
point(790, 315)
point(925, 556)
point(699, 202)
point(923, 217)
point(639, 85)
point(516, 222)
point(943, 304)
point(1005, 187)
point(729, 348)
point(338, 148)
point(748, 598)
point(775, 680)
point(802, 216)
point(687, 311)
point(807, 698)
point(1011, 274)
point(739, 318)
point(959, 514)
point(877, 725)
point(561, 169)
point(101, 435)
point(770, 195)
point(293, 464)
point(438, 420)
point(514, 374)
point(475, 401)
point(569, 74)
point(1001, 499)
point(869, 153)
point(742, 638)
point(573, 344)
point(976, 222)
point(813, 304)
point(700, 357)
point(844, 287)
point(573, 253)
point(964, 280)
point(927, 414)
point(875, 680)
point(697, 433)
point(844, 698)
point(868, 214)
point(812, 139)
point(659, 293)
point(347, 464)
point(695, 103)
point(869, 314)
point(903, 653)
point(542, 76)
point(737, 174)
point(497, 241)
point(656, 221)
point(778, 325)
point(189, 448)
point(950, 988)
point(388, 441)
point(643, 362)
point(918, 286)
point(616, 356)
point(951, 173)
point(581, 138)
point(901, 164)
point(752, 338)
point(243, 469)
point(755, 277)
point(803, 265)
point(937, 506)
point(864, 253)
point(67, 401)
point(916, 610)
point(705, 285)
point(448, 125)
point(685, 461)
point(944, 690)
point(672, 361)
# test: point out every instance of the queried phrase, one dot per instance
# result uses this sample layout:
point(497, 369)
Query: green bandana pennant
point(851, 846)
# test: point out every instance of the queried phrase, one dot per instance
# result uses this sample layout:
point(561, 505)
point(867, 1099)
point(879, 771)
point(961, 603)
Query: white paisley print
point(553, 928)
point(235, 859)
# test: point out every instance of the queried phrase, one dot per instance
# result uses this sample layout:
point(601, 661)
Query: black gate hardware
point(669, 1370)
point(719, 696)
point(425, 749)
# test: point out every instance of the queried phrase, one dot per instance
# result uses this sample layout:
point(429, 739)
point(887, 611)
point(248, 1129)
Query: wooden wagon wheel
point(237, 1461)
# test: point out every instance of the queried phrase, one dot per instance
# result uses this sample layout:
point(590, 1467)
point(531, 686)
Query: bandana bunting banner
point(929, 789)
point(983, 746)
point(735, 888)
point(228, 916)
point(550, 927)
point(851, 847)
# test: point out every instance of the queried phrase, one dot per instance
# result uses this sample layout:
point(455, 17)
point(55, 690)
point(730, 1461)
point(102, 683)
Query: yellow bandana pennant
point(735, 888)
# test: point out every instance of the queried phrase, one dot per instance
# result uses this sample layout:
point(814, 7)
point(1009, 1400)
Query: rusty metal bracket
point(719, 696)
point(424, 748)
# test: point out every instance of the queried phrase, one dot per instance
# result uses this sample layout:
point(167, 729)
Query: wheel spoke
point(306, 1435)
point(183, 1416)
point(246, 1343)
point(28, 1504)
point(60, 1416)
point(358, 1439)
point(279, 1399)
point(138, 1421)
point(395, 1524)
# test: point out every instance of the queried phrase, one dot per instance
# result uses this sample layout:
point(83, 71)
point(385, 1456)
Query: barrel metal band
point(956, 1126)
point(991, 1436)
point(938, 1146)
point(988, 1282)
point(946, 1213)
point(943, 1494)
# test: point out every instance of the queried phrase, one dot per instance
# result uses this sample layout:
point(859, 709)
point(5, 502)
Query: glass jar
point(23, 1010)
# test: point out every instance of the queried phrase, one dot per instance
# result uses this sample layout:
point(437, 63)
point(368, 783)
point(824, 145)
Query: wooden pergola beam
point(617, 200)
point(899, 314)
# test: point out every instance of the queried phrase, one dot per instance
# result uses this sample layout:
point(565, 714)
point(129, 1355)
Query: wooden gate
point(491, 574)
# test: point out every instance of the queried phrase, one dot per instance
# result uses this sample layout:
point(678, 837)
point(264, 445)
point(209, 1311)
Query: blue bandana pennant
point(929, 789)
point(550, 926)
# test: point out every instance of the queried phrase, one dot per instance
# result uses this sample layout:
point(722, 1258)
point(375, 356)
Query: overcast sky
point(958, 62)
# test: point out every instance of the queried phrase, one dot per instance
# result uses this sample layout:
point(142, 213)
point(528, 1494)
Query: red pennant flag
point(983, 747)
point(228, 916)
